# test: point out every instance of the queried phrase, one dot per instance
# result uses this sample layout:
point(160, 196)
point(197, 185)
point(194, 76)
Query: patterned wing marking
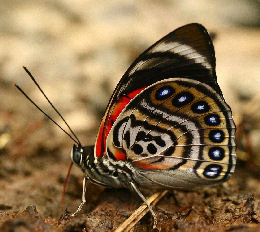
point(186, 52)
point(132, 135)
point(108, 122)
point(177, 124)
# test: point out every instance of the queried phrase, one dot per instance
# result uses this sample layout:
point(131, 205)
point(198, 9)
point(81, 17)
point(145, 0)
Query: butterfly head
point(77, 153)
point(82, 156)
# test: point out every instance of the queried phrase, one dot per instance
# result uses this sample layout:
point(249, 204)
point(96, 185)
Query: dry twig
point(129, 223)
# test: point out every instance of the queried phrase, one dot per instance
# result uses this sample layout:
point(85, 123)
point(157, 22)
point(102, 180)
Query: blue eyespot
point(216, 136)
point(182, 99)
point(212, 171)
point(216, 153)
point(164, 93)
point(200, 107)
point(212, 120)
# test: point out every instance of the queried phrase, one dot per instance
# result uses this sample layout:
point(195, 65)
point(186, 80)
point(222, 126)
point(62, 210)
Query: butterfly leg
point(146, 202)
point(83, 201)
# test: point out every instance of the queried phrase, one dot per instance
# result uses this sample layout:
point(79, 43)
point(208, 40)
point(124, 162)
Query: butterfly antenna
point(35, 82)
point(17, 86)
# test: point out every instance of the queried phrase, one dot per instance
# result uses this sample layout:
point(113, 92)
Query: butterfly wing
point(186, 52)
point(179, 127)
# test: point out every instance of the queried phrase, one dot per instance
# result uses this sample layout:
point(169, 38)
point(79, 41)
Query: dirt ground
point(78, 52)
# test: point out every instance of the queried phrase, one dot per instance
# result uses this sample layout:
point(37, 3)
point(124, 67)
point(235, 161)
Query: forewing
point(186, 52)
point(178, 127)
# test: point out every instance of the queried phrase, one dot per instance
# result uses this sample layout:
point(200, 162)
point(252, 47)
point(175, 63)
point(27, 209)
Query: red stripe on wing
point(104, 131)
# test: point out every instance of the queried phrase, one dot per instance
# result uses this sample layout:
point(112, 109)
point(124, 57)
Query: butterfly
point(167, 125)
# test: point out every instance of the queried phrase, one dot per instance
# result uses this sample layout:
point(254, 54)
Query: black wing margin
point(186, 52)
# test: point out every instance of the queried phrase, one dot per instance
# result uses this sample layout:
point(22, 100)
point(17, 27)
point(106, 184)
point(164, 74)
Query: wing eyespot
point(200, 107)
point(182, 99)
point(212, 120)
point(216, 136)
point(216, 153)
point(164, 92)
point(212, 171)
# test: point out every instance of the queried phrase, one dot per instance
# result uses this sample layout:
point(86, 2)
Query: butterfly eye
point(76, 155)
point(164, 93)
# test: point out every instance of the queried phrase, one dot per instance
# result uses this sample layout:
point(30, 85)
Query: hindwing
point(176, 124)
